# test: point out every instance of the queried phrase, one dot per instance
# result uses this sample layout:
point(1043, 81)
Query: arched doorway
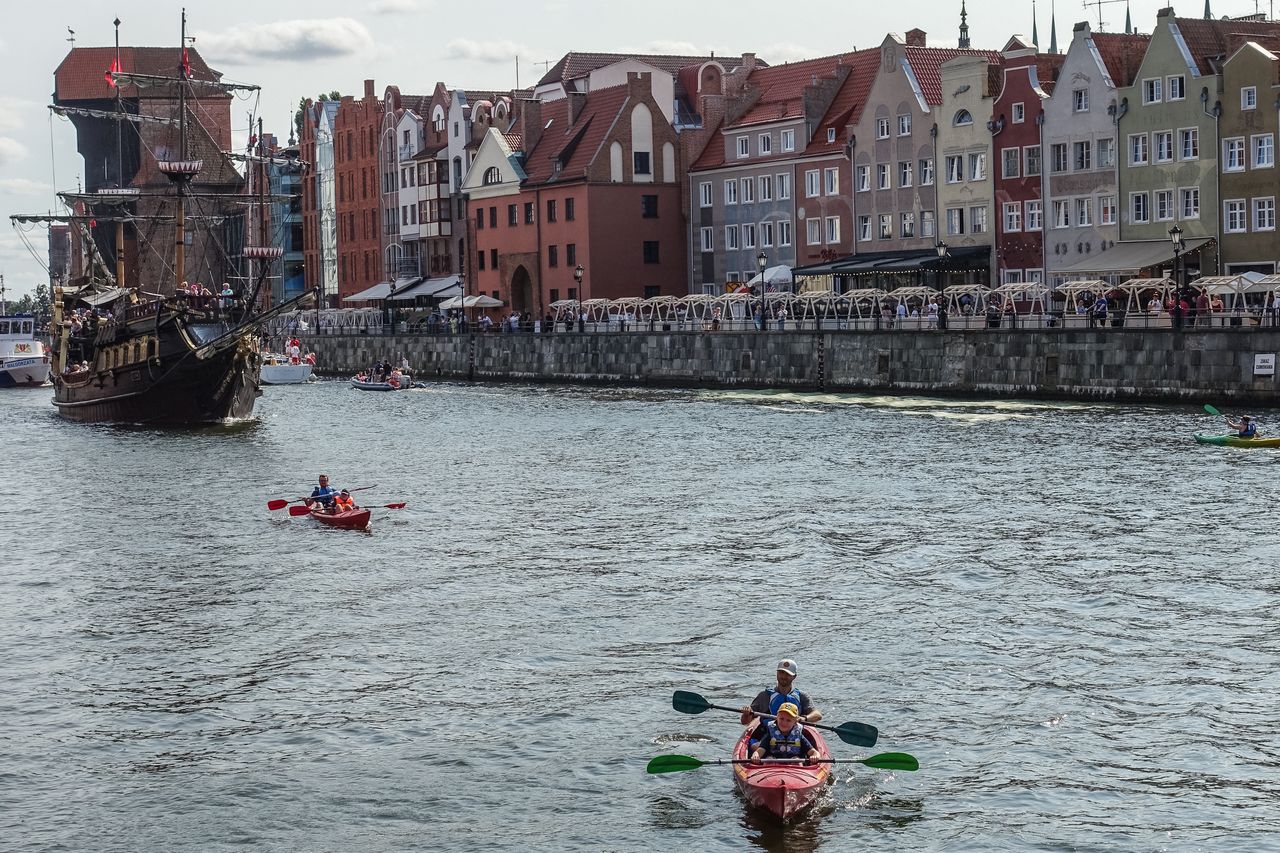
point(521, 291)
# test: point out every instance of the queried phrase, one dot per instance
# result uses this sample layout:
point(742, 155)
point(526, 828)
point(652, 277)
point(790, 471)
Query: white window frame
point(788, 140)
point(883, 180)
point(1006, 154)
point(955, 221)
point(744, 147)
point(1080, 100)
point(831, 135)
point(1139, 144)
point(1029, 153)
point(1231, 206)
point(784, 186)
point(1186, 194)
point(1084, 211)
point(862, 178)
point(928, 225)
point(812, 183)
point(955, 175)
point(978, 166)
point(1106, 152)
point(1081, 163)
point(924, 168)
point(831, 181)
point(1230, 146)
point(1254, 142)
point(979, 219)
point(1061, 213)
point(1257, 206)
point(1159, 136)
point(882, 128)
point(1151, 91)
point(864, 228)
point(708, 239)
point(748, 190)
point(813, 231)
point(905, 173)
point(765, 143)
point(1033, 215)
point(1170, 88)
point(1019, 113)
point(1185, 135)
point(765, 230)
point(1012, 216)
point(766, 187)
point(833, 230)
point(731, 238)
point(1133, 208)
point(731, 191)
point(904, 124)
point(1248, 97)
point(1107, 210)
point(1059, 165)
point(884, 226)
point(907, 224)
point(748, 235)
point(784, 232)
point(704, 194)
point(1163, 204)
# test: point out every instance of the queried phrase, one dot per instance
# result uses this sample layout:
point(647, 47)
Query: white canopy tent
point(773, 277)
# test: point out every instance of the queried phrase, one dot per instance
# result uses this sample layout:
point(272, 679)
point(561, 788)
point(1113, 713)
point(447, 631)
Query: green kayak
point(1237, 441)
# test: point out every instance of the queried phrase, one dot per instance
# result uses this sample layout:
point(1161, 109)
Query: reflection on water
point(1065, 611)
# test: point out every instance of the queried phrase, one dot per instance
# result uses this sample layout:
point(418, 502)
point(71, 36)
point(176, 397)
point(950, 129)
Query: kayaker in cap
point(1246, 426)
point(323, 494)
point(343, 502)
point(784, 737)
point(769, 700)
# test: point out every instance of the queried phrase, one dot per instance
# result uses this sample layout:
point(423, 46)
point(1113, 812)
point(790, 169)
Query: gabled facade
point(964, 182)
point(1249, 183)
point(1027, 80)
point(1081, 151)
point(356, 137)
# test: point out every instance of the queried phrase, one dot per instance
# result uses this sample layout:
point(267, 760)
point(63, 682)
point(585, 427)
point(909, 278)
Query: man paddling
point(783, 737)
point(323, 494)
point(1245, 427)
point(770, 700)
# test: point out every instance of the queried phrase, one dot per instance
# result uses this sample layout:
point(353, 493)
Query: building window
point(744, 147)
point(553, 256)
point(528, 213)
point(1084, 211)
point(731, 191)
point(813, 231)
point(1019, 113)
point(831, 134)
point(649, 206)
point(977, 220)
point(1058, 157)
point(704, 194)
point(882, 128)
point(1083, 156)
point(907, 225)
point(513, 218)
point(1177, 88)
point(904, 124)
point(927, 228)
point(766, 143)
point(749, 236)
point(492, 176)
point(1138, 149)
point(551, 210)
point(480, 260)
point(748, 190)
point(1010, 161)
point(731, 237)
point(1249, 98)
point(831, 181)
point(885, 231)
point(962, 118)
point(904, 173)
point(1013, 216)
point(882, 176)
point(833, 230)
point(864, 228)
point(479, 218)
point(1034, 215)
point(1031, 161)
point(788, 140)
point(766, 187)
point(651, 251)
point(926, 172)
point(568, 209)
point(784, 232)
point(1080, 100)
point(1234, 216)
point(640, 163)
point(862, 178)
point(1190, 202)
point(955, 221)
point(1190, 143)
point(1061, 214)
point(1106, 153)
point(1164, 145)
point(493, 217)
point(708, 239)
point(977, 167)
point(784, 187)
point(812, 185)
point(1138, 207)
point(1233, 154)
point(1264, 214)
point(1264, 151)
point(766, 235)
point(955, 169)
point(570, 255)
point(1151, 91)
point(1107, 210)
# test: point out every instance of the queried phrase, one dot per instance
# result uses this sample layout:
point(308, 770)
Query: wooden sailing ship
point(145, 348)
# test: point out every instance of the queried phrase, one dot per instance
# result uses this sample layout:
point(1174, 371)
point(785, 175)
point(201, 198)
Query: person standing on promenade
point(768, 701)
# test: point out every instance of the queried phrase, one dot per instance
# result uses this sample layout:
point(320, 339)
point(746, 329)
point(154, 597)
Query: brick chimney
point(369, 90)
point(915, 38)
point(577, 100)
point(530, 123)
point(639, 84)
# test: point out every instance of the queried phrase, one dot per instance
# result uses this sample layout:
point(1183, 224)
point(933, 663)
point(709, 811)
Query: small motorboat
point(351, 519)
point(363, 383)
point(1233, 440)
point(281, 370)
point(784, 789)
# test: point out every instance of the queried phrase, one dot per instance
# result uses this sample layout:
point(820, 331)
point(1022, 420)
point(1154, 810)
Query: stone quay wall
point(1101, 364)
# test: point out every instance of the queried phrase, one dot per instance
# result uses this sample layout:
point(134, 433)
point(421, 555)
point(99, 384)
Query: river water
point(1066, 612)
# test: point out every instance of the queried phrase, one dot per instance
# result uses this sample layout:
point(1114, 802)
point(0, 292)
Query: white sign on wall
point(1264, 364)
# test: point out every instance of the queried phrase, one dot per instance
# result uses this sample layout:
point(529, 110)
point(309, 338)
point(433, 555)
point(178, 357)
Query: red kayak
point(351, 519)
point(784, 789)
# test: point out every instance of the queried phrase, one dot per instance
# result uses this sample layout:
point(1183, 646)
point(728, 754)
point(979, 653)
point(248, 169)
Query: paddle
point(857, 734)
point(883, 761)
point(281, 503)
point(303, 510)
point(1211, 410)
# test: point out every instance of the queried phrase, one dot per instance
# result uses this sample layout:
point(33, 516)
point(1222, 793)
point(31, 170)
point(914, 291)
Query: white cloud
point(318, 38)
point(394, 7)
point(675, 48)
point(786, 52)
point(498, 50)
point(24, 186)
point(11, 150)
point(15, 113)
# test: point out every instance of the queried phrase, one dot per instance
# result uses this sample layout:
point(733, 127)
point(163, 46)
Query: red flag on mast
point(114, 69)
point(186, 64)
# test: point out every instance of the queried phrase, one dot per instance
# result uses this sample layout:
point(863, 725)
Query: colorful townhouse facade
point(1249, 183)
point(964, 180)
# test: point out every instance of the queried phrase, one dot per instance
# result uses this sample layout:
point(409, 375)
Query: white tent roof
point(780, 274)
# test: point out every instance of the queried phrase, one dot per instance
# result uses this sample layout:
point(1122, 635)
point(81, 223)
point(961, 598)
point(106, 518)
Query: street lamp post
point(941, 248)
point(1175, 235)
point(762, 260)
point(578, 274)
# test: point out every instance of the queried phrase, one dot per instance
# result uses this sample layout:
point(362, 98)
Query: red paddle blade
point(394, 506)
point(278, 503)
point(299, 510)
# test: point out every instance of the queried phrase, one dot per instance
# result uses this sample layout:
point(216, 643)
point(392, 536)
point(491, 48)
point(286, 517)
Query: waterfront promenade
point(1159, 364)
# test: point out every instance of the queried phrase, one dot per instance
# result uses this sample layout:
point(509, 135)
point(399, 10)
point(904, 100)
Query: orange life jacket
point(344, 503)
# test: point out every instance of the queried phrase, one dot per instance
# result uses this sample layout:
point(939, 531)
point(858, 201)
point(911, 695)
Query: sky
point(324, 45)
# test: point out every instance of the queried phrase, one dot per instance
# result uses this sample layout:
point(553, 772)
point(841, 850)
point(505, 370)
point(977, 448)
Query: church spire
point(1208, 15)
point(1128, 22)
point(1053, 28)
point(964, 27)
point(1035, 34)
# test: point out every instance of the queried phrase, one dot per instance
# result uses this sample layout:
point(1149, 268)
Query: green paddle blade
point(857, 734)
point(892, 761)
point(1211, 410)
point(673, 764)
point(689, 703)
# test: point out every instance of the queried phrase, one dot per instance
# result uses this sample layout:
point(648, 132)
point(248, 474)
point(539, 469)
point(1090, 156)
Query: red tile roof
point(781, 88)
point(1122, 54)
point(81, 76)
point(573, 147)
point(925, 61)
point(1048, 65)
point(1216, 40)
point(574, 65)
point(712, 157)
point(846, 107)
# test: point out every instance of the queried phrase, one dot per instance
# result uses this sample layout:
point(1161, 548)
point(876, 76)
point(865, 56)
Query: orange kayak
point(784, 789)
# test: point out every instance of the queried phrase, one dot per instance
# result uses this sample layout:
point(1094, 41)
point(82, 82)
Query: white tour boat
point(24, 360)
point(281, 370)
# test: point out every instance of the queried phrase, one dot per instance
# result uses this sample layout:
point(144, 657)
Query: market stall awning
point(370, 294)
point(1130, 256)
point(958, 259)
point(436, 288)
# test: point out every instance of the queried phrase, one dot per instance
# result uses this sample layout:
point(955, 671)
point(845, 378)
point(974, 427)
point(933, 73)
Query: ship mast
point(181, 239)
point(119, 166)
